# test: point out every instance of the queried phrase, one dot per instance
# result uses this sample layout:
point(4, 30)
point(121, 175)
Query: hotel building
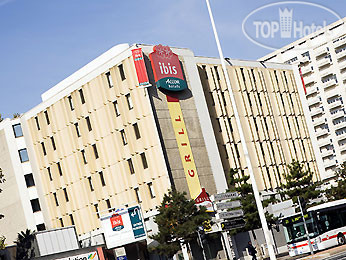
point(106, 137)
point(20, 203)
point(321, 60)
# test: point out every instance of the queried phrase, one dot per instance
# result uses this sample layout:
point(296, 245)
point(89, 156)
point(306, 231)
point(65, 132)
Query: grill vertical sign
point(167, 69)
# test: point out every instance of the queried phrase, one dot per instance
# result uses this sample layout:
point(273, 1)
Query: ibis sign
point(167, 69)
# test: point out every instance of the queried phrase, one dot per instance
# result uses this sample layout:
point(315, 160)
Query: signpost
point(226, 196)
point(233, 224)
point(228, 205)
point(231, 214)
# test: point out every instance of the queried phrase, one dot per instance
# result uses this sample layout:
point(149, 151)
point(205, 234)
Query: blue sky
point(44, 41)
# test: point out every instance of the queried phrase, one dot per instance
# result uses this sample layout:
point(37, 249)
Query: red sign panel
point(167, 69)
point(141, 70)
point(117, 222)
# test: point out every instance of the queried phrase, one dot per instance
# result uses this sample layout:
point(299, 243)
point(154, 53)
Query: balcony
point(341, 54)
point(326, 72)
point(313, 101)
point(339, 43)
point(323, 62)
point(306, 70)
point(342, 147)
point(340, 125)
point(329, 83)
point(318, 121)
point(311, 90)
point(322, 132)
point(309, 80)
point(326, 153)
point(324, 142)
point(334, 104)
point(320, 51)
point(304, 59)
point(316, 111)
point(337, 114)
point(342, 64)
point(343, 76)
point(341, 136)
point(329, 163)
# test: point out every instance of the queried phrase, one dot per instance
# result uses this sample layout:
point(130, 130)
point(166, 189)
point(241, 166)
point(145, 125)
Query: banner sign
point(184, 147)
point(204, 200)
point(124, 226)
point(141, 70)
point(167, 69)
point(86, 256)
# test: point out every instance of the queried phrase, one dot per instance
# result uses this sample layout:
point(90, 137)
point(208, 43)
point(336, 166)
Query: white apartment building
point(20, 202)
point(321, 59)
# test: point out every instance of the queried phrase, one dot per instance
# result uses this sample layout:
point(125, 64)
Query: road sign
point(228, 205)
point(232, 224)
point(231, 214)
point(226, 196)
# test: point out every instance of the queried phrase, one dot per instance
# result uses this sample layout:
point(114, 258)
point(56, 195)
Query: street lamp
point(267, 234)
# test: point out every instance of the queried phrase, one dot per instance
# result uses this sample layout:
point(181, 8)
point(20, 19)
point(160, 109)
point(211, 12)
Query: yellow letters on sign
point(184, 148)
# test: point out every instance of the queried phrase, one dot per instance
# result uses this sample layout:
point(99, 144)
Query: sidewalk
point(318, 255)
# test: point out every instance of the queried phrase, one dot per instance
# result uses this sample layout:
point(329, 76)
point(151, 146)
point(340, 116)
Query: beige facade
point(271, 116)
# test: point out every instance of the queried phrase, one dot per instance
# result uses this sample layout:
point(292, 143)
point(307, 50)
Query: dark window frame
point(15, 130)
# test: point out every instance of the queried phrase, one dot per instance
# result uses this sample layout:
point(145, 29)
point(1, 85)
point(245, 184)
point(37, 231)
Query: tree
point(16, 115)
point(339, 191)
point(25, 245)
point(177, 221)
point(1, 119)
point(299, 183)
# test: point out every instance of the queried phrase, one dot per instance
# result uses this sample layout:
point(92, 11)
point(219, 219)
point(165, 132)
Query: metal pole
point(267, 234)
point(305, 226)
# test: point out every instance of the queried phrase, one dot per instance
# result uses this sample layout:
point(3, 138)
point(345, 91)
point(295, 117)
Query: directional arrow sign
point(226, 196)
point(228, 205)
point(231, 214)
point(233, 223)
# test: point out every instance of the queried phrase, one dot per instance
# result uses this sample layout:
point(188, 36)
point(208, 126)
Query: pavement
point(319, 255)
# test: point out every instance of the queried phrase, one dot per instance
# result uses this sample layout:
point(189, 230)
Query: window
point(29, 180)
point(116, 108)
point(70, 101)
point(56, 199)
point(59, 168)
point(109, 79)
point(53, 142)
point(151, 190)
point(136, 129)
point(219, 124)
point(23, 155)
point(81, 95)
point(83, 156)
point(90, 184)
point(212, 98)
point(144, 161)
point(40, 227)
point(35, 205)
point(102, 179)
point(17, 129)
point(138, 197)
point(47, 117)
point(49, 174)
point(225, 149)
point(123, 136)
point(132, 169)
point(88, 123)
point(66, 195)
point(37, 123)
point(71, 219)
point(109, 206)
point(96, 206)
point(77, 129)
point(43, 149)
point(122, 72)
point(61, 222)
point(95, 151)
point(129, 101)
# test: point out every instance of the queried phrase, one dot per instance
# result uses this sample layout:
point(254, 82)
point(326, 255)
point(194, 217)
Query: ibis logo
point(167, 69)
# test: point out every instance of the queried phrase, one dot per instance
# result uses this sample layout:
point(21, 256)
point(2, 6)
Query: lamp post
point(267, 234)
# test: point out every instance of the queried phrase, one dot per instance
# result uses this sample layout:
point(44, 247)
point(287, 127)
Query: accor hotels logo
point(167, 69)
